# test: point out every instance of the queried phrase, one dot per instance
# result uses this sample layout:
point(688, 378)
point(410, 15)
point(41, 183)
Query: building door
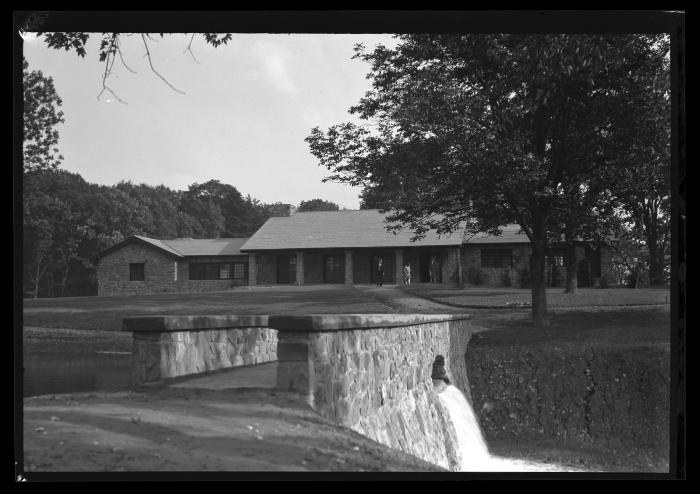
point(334, 268)
point(389, 267)
point(286, 269)
point(430, 261)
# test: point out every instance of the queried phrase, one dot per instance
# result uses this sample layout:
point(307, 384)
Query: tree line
point(68, 221)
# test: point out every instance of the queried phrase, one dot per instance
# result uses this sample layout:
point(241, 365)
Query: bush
point(474, 276)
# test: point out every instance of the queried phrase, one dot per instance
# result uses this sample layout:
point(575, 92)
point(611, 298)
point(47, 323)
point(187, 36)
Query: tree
point(486, 130)
point(211, 199)
point(41, 116)
point(373, 198)
point(317, 205)
point(110, 50)
point(645, 190)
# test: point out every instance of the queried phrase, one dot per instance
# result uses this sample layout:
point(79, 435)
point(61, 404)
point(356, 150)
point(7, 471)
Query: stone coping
point(339, 322)
point(191, 323)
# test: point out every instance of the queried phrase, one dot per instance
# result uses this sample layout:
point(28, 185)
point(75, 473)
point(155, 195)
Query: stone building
point(147, 265)
point(334, 247)
point(345, 247)
point(504, 260)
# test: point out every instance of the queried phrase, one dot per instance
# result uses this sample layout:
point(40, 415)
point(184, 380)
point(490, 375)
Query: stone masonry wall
point(377, 381)
point(471, 261)
point(165, 347)
point(162, 273)
point(113, 271)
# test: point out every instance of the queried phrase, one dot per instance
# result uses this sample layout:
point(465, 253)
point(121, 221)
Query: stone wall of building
point(113, 271)
point(162, 273)
point(373, 375)
point(165, 347)
point(472, 268)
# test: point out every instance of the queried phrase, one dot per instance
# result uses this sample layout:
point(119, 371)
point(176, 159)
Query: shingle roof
point(183, 247)
point(207, 246)
point(158, 243)
point(512, 234)
point(337, 229)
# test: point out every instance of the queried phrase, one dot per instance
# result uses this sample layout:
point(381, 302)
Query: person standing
point(380, 272)
point(433, 265)
point(407, 274)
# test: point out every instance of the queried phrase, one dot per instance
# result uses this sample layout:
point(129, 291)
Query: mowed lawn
point(507, 297)
point(107, 313)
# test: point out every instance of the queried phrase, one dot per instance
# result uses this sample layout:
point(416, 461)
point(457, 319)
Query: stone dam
point(372, 373)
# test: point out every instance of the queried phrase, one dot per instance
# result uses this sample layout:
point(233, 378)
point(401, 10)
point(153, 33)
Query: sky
point(247, 108)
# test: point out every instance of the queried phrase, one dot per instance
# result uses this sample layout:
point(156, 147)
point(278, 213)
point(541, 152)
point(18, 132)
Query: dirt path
point(176, 429)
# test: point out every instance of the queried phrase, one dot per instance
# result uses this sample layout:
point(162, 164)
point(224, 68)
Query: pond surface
point(79, 372)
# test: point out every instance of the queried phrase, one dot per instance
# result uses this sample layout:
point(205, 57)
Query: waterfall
point(471, 446)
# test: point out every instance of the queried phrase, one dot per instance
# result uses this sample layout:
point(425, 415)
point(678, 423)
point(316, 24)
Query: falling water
point(471, 446)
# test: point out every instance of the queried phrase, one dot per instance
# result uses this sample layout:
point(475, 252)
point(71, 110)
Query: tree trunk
point(571, 269)
point(656, 263)
point(539, 292)
point(36, 281)
point(537, 270)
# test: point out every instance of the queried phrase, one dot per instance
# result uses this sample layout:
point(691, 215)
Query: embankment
point(587, 396)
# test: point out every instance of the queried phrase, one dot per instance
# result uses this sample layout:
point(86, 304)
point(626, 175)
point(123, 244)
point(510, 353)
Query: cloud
point(275, 62)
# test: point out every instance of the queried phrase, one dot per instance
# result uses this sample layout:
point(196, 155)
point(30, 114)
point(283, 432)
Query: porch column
point(348, 268)
point(300, 268)
point(252, 269)
point(460, 280)
point(398, 256)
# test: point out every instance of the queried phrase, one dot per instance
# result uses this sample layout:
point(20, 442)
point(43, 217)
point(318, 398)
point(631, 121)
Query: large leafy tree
point(645, 188)
point(317, 205)
point(222, 210)
point(486, 130)
point(41, 117)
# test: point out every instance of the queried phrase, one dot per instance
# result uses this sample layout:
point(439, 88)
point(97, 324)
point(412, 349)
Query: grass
point(473, 297)
point(601, 326)
point(107, 313)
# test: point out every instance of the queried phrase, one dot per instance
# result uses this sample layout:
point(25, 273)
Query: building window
point(496, 258)
point(224, 272)
point(240, 270)
point(218, 271)
point(136, 271)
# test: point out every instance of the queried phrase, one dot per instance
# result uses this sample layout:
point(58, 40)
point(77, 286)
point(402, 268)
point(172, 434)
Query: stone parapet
point(166, 347)
point(372, 373)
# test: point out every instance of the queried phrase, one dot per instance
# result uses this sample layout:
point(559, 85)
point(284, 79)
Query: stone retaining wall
point(166, 347)
point(372, 373)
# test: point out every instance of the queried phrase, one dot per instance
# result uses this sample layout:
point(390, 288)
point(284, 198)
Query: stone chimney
point(280, 209)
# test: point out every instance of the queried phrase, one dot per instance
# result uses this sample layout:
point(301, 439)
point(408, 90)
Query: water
point(472, 448)
point(79, 372)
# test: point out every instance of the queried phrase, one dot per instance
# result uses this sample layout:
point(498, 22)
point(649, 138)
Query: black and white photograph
point(349, 245)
